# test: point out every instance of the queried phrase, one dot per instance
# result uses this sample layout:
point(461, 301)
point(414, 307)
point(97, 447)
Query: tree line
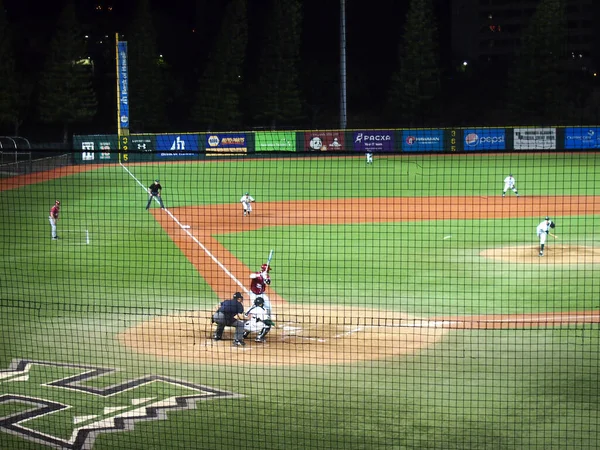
point(272, 83)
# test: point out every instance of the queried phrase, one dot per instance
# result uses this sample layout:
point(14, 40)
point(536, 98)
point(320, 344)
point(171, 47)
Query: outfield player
point(369, 156)
point(246, 202)
point(258, 320)
point(260, 281)
point(543, 230)
point(53, 218)
point(510, 183)
point(155, 190)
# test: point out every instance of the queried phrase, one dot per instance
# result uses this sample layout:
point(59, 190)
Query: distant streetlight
point(343, 104)
point(465, 63)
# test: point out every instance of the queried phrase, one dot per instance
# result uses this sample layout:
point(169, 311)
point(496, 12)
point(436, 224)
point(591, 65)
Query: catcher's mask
point(259, 301)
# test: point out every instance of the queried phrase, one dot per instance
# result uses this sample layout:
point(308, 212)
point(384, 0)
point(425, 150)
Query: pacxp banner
point(582, 137)
point(422, 140)
point(484, 139)
point(229, 143)
point(177, 145)
point(324, 141)
point(534, 138)
point(373, 140)
point(123, 84)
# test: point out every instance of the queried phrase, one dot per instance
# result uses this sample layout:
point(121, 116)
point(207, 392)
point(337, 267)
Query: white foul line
point(185, 229)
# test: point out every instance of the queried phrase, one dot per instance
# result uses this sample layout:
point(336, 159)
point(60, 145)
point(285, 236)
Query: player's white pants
point(53, 225)
point(543, 237)
point(253, 326)
point(508, 186)
point(265, 297)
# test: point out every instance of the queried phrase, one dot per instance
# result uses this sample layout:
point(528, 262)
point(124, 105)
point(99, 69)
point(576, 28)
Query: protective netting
point(411, 307)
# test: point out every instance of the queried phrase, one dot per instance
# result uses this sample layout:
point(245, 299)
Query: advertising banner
point(275, 141)
point(582, 137)
point(422, 140)
point(484, 139)
point(177, 145)
point(123, 84)
point(534, 138)
point(324, 141)
point(373, 140)
point(226, 143)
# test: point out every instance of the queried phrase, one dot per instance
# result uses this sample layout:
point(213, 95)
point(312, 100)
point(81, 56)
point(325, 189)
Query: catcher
point(258, 320)
point(543, 230)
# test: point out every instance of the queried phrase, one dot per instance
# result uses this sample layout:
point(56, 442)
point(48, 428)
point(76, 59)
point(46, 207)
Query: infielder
point(53, 218)
point(260, 281)
point(258, 320)
point(246, 202)
point(509, 183)
point(543, 230)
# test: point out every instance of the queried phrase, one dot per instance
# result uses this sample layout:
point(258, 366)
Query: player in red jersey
point(260, 281)
point(53, 218)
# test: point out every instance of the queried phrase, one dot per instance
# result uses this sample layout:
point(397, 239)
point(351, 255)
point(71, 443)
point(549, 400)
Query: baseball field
point(411, 308)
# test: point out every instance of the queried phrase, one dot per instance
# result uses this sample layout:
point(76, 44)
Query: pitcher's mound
point(553, 254)
point(302, 335)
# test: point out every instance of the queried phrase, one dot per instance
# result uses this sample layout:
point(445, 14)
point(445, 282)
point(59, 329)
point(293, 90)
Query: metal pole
point(343, 103)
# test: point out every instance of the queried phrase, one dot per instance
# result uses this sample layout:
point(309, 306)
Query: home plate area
point(306, 334)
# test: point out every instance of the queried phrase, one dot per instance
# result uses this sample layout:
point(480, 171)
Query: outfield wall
point(178, 146)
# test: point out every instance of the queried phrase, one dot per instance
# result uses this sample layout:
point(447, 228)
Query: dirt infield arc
point(339, 334)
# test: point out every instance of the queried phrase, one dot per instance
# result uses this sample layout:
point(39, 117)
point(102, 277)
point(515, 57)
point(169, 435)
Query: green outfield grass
point(65, 301)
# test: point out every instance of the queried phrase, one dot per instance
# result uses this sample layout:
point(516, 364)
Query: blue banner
point(373, 140)
point(484, 139)
point(582, 137)
point(422, 140)
point(226, 143)
point(174, 145)
point(122, 68)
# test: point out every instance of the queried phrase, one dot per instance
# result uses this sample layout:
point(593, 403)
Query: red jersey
point(54, 212)
point(259, 284)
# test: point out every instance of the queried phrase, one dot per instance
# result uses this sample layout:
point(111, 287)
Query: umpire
point(154, 191)
point(230, 314)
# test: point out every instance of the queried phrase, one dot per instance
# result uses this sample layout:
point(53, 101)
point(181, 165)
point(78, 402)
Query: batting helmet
point(265, 267)
point(57, 202)
point(259, 301)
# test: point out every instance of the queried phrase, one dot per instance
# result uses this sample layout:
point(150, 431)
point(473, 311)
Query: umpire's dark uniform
point(225, 317)
point(154, 191)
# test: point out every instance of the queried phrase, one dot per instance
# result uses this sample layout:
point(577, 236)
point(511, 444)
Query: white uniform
point(265, 297)
point(258, 315)
point(369, 156)
point(246, 202)
point(509, 183)
point(542, 231)
point(256, 323)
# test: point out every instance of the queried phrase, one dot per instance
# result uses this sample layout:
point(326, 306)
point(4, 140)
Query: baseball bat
point(269, 259)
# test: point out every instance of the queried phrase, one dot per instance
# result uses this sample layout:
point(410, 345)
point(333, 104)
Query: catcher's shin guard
point(263, 333)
